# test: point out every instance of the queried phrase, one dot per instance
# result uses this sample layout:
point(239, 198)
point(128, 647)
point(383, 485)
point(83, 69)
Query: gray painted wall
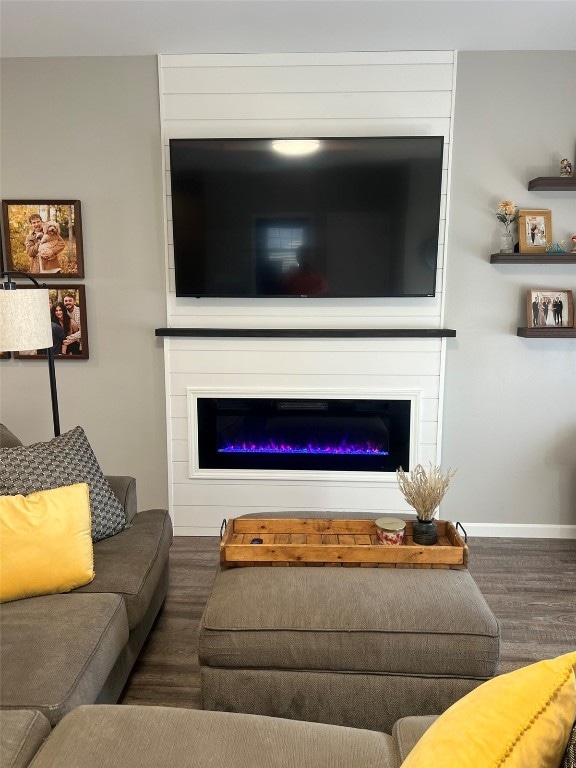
point(510, 403)
point(88, 128)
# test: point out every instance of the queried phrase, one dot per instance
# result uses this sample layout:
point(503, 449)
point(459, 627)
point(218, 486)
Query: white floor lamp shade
point(25, 320)
point(25, 324)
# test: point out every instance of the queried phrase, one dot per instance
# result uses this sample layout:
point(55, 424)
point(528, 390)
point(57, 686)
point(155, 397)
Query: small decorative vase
point(424, 532)
point(506, 243)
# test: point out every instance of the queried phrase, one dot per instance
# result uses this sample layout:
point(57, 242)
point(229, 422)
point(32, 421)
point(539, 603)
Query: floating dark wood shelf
point(552, 183)
point(547, 333)
point(537, 258)
point(307, 333)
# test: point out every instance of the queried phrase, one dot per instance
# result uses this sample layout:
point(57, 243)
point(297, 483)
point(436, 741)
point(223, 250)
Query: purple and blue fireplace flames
point(271, 447)
point(293, 434)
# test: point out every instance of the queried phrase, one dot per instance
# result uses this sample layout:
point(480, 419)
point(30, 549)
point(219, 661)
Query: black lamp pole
point(10, 285)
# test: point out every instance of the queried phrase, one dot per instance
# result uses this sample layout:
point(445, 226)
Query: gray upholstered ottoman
point(360, 647)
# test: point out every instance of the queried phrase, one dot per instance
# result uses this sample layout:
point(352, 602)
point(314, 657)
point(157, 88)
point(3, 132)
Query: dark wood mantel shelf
point(547, 333)
point(537, 258)
point(307, 333)
point(552, 183)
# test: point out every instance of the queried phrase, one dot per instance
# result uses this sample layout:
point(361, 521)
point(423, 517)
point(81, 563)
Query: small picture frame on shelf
point(534, 230)
point(549, 308)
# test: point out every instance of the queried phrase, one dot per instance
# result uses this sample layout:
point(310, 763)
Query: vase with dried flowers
point(507, 213)
point(424, 491)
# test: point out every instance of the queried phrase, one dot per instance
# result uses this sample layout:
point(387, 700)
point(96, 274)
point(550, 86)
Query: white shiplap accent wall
point(294, 95)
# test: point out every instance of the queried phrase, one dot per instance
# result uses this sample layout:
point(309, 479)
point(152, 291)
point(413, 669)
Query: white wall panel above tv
point(306, 78)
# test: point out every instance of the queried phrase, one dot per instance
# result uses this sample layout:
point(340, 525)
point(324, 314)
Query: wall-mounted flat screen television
point(330, 217)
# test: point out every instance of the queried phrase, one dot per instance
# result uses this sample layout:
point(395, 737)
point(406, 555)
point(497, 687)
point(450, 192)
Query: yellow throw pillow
point(45, 542)
point(519, 720)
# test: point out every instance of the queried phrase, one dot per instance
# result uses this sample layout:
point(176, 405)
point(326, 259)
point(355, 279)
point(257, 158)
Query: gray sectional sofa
point(149, 737)
point(64, 650)
point(112, 736)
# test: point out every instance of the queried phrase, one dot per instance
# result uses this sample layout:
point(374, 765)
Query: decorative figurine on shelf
point(556, 247)
point(574, 243)
point(565, 167)
point(507, 213)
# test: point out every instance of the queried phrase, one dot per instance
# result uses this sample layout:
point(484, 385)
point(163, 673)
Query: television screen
point(351, 217)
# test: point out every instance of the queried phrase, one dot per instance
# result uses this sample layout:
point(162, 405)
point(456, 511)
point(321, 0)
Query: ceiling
point(142, 27)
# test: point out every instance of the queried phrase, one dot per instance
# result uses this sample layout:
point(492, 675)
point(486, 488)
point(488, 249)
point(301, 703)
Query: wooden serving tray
point(328, 542)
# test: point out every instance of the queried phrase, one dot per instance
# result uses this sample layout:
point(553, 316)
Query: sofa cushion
point(131, 563)
point(64, 460)
point(520, 720)
point(407, 732)
point(57, 651)
point(147, 737)
point(7, 438)
point(351, 620)
point(22, 732)
point(45, 542)
point(124, 488)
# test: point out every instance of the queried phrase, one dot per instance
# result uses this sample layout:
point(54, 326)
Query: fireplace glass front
point(343, 435)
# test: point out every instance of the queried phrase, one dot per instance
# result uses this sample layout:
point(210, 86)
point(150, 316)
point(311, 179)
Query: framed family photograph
point(548, 308)
point(43, 238)
point(534, 230)
point(69, 324)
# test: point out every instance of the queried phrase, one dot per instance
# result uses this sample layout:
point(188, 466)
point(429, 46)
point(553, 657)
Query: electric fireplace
point(318, 434)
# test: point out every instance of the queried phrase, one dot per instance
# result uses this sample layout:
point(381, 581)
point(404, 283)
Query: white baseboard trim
point(520, 531)
point(186, 530)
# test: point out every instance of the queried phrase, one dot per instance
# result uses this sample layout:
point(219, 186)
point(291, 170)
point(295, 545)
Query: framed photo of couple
point(43, 238)
point(534, 230)
point(69, 324)
point(550, 308)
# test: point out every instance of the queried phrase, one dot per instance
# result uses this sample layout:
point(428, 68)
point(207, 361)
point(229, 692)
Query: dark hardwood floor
point(530, 585)
point(167, 672)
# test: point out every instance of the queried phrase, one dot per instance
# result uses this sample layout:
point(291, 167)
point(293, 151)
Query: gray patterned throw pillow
point(64, 460)
point(569, 760)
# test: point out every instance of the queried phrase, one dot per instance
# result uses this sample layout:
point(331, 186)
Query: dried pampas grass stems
point(424, 491)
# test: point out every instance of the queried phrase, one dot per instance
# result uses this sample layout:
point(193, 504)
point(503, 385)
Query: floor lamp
point(25, 324)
